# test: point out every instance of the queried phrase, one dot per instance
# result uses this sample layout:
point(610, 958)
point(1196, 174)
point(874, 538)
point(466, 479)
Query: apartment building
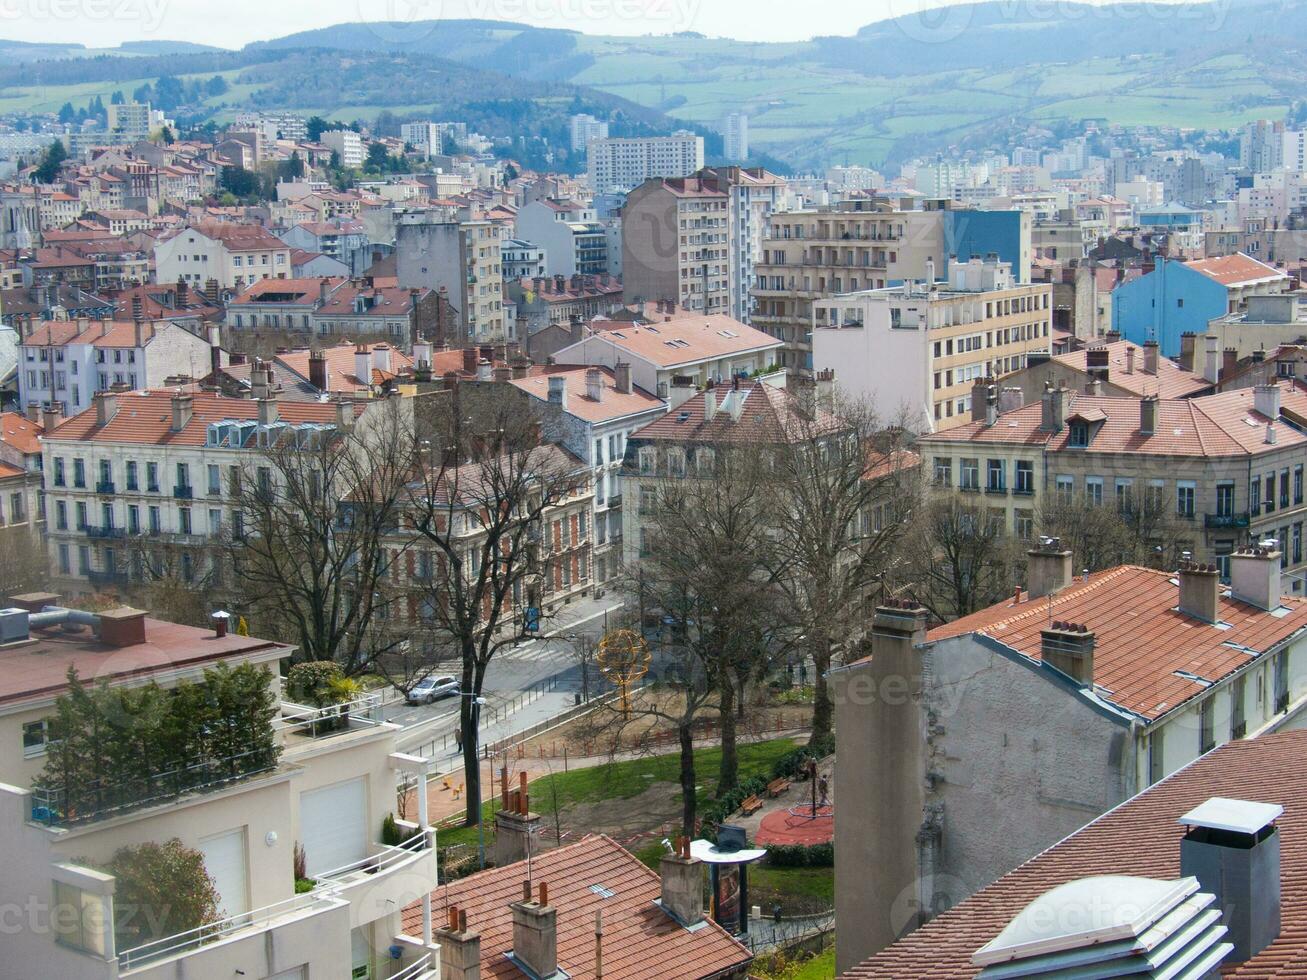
point(674, 357)
point(318, 779)
point(150, 472)
point(521, 259)
point(592, 412)
point(677, 244)
point(917, 348)
point(129, 121)
point(347, 145)
point(336, 239)
point(1114, 367)
point(1042, 712)
point(423, 136)
point(735, 137)
point(573, 240)
point(22, 499)
point(544, 301)
point(280, 304)
point(233, 254)
point(465, 258)
point(617, 165)
point(585, 129)
point(1219, 472)
point(64, 363)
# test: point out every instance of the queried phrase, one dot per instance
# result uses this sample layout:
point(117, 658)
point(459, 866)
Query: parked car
point(432, 688)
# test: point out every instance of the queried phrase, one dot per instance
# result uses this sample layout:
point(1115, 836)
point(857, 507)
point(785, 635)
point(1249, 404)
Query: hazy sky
point(232, 23)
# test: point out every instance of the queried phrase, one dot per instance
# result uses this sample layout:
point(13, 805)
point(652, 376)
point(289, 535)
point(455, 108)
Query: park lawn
point(631, 777)
point(817, 884)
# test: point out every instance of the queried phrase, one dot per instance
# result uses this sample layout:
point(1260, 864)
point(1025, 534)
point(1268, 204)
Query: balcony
point(105, 487)
point(1221, 521)
point(102, 579)
point(183, 493)
point(104, 532)
point(382, 879)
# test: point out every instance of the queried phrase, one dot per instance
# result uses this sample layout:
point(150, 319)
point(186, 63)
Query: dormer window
point(1079, 435)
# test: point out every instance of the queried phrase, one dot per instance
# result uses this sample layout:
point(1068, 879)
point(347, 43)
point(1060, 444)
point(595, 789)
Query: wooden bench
point(776, 787)
point(750, 805)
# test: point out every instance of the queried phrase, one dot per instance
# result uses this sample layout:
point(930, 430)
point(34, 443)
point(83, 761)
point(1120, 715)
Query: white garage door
point(333, 826)
point(224, 859)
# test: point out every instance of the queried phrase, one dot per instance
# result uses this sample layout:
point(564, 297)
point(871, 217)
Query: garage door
point(333, 826)
point(224, 859)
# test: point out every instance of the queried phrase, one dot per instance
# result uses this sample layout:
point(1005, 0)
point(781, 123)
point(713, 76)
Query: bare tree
point(24, 563)
point(961, 557)
point(314, 511)
point(477, 502)
point(844, 485)
point(1137, 529)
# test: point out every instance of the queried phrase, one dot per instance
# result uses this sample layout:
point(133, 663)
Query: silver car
point(432, 688)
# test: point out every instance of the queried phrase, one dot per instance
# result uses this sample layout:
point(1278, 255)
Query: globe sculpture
point(624, 658)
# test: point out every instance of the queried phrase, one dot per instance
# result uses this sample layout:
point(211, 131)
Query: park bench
point(777, 786)
point(750, 805)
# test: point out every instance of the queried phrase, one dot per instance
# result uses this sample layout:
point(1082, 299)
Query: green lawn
point(819, 967)
point(814, 884)
point(623, 780)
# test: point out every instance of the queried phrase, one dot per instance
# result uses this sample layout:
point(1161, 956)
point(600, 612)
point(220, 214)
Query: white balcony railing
point(419, 969)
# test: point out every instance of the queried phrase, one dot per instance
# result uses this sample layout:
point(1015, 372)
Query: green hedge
point(794, 765)
point(801, 856)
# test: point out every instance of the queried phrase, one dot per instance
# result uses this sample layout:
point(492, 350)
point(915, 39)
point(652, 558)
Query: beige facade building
point(676, 244)
point(917, 349)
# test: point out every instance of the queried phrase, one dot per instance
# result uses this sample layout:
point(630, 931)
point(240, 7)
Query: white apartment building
point(422, 136)
point(918, 348)
point(64, 363)
point(1293, 155)
point(235, 255)
point(617, 165)
point(464, 257)
point(346, 144)
point(585, 129)
point(151, 472)
point(129, 120)
point(574, 242)
point(320, 779)
point(522, 259)
point(735, 137)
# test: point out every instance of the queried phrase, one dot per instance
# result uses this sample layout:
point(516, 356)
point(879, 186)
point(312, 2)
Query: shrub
point(392, 834)
point(310, 682)
point(801, 856)
point(161, 890)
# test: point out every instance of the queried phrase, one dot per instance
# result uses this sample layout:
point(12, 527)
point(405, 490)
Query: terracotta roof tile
point(685, 339)
point(613, 404)
point(640, 939)
point(769, 414)
point(1170, 381)
point(1140, 837)
point(20, 432)
point(1236, 270)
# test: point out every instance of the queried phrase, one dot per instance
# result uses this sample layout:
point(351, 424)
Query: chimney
point(470, 357)
point(183, 407)
point(1096, 365)
point(1093, 387)
point(138, 333)
point(318, 370)
point(363, 364)
point(709, 404)
point(422, 352)
point(220, 623)
point(1188, 340)
point(521, 367)
point(1200, 590)
point(1233, 848)
point(535, 933)
point(1255, 577)
point(826, 390)
point(1010, 399)
point(558, 390)
point(1069, 647)
point(514, 822)
point(1148, 415)
point(460, 948)
point(622, 377)
point(991, 405)
point(381, 357)
point(1053, 418)
point(215, 348)
point(1130, 360)
point(979, 393)
point(1151, 355)
point(1266, 400)
point(267, 411)
point(485, 371)
point(682, 892)
point(1212, 359)
point(1048, 568)
point(344, 413)
point(594, 385)
point(1229, 361)
point(898, 626)
point(122, 627)
point(106, 407)
point(33, 412)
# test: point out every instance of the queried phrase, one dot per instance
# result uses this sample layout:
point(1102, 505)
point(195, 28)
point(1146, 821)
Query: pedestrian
point(458, 738)
point(823, 790)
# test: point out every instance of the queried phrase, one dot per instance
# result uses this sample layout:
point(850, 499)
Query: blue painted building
point(1165, 303)
point(971, 234)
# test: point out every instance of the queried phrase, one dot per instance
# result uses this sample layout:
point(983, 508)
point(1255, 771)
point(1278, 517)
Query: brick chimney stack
point(682, 881)
point(1200, 591)
point(1070, 648)
point(535, 932)
point(1048, 568)
point(460, 948)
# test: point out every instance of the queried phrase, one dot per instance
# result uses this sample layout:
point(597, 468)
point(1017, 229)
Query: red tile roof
point(98, 333)
point(39, 671)
point(687, 338)
point(1236, 270)
point(341, 366)
point(769, 414)
point(20, 432)
point(384, 300)
point(1170, 381)
point(1140, 837)
point(641, 941)
point(1141, 639)
point(613, 404)
point(145, 418)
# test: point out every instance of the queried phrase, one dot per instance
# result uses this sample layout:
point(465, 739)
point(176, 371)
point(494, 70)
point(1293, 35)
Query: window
point(1297, 543)
point(1066, 487)
point(599, 453)
point(60, 515)
point(82, 520)
point(64, 567)
point(35, 734)
point(215, 479)
point(58, 471)
point(131, 475)
point(1225, 499)
point(1206, 725)
point(676, 462)
point(79, 473)
point(943, 471)
point(184, 520)
point(1079, 435)
point(83, 560)
point(183, 476)
point(1238, 721)
point(156, 523)
point(1255, 496)
point(133, 519)
point(1094, 490)
point(1184, 498)
point(1270, 493)
point(1281, 681)
point(1156, 756)
point(970, 477)
point(1124, 502)
point(1284, 488)
point(995, 474)
point(1024, 524)
point(1297, 484)
point(1025, 476)
point(152, 477)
